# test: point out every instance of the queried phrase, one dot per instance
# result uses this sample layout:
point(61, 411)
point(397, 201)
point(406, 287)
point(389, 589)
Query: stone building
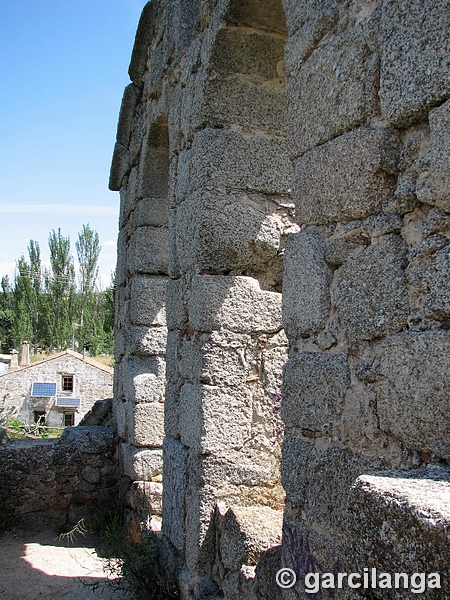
point(59, 389)
point(284, 179)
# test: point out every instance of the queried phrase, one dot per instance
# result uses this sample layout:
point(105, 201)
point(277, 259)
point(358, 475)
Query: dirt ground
point(42, 567)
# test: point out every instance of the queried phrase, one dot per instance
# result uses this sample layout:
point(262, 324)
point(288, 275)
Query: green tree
point(88, 250)
point(6, 315)
point(22, 301)
point(60, 286)
point(35, 295)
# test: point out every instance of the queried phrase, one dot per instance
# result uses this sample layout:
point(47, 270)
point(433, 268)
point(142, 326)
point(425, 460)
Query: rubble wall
point(282, 172)
point(55, 483)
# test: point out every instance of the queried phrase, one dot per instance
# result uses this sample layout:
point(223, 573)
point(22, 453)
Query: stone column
point(25, 355)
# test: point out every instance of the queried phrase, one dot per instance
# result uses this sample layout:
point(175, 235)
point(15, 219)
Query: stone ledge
point(400, 522)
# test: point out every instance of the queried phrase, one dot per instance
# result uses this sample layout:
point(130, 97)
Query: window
point(69, 419)
point(39, 417)
point(67, 383)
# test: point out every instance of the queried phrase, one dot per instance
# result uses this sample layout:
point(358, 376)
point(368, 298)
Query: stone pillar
point(14, 364)
point(25, 355)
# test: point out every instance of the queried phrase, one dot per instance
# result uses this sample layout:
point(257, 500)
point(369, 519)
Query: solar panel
point(68, 402)
point(43, 390)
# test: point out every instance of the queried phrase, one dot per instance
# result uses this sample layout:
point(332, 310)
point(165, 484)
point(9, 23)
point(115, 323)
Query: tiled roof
point(86, 359)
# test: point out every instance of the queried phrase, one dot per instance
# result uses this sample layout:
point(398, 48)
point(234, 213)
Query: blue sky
point(63, 68)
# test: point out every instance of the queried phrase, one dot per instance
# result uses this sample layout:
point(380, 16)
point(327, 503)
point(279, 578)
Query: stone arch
point(221, 159)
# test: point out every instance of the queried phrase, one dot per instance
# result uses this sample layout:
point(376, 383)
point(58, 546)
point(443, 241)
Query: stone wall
point(52, 484)
point(321, 239)
point(366, 307)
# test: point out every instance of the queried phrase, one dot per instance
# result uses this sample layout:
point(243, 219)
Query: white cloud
point(7, 268)
point(110, 243)
point(60, 208)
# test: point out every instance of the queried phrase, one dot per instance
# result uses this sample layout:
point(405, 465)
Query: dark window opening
point(39, 417)
point(69, 419)
point(67, 383)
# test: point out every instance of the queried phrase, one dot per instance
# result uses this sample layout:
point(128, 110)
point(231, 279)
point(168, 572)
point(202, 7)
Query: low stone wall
point(54, 483)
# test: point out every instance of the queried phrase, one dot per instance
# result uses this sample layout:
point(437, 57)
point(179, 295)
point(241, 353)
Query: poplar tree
point(88, 250)
point(60, 287)
point(6, 315)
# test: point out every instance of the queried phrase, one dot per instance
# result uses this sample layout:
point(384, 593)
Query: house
point(59, 389)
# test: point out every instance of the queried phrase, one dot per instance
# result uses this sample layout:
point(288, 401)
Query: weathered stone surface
point(437, 301)
point(437, 221)
point(427, 275)
point(235, 303)
point(245, 532)
point(143, 378)
point(313, 390)
point(54, 483)
point(120, 166)
point(148, 298)
point(218, 233)
point(122, 257)
point(402, 519)
point(212, 77)
point(332, 92)
point(293, 467)
point(129, 100)
point(338, 250)
point(219, 358)
point(432, 185)
point(147, 341)
point(99, 415)
point(146, 497)
point(266, 16)
point(371, 296)
point(139, 464)
point(382, 224)
point(172, 358)
point(171, 411)
point(147, 424)
point(251, 163)
point(175, 479)
point(176, 304)
point(330, 475)
point(347, 178)
point(90, 440)
point(257, 105)
point(144, 34)
point(3, 436)
point(151, 212)
point(269, 564)
point(154, 163)
point(306, 282)
point(300, 12)
point(415, 58)
point(214, 419)
point(247, 52)
point(413, 390)
point(149, 251)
